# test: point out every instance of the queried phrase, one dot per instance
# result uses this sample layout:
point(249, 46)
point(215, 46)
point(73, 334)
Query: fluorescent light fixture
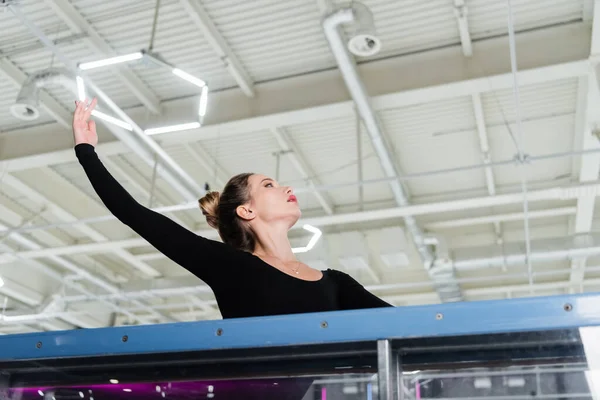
point(172, 128)
point(313, 240)
point(112, 120)
point(190, 78)
point(1, 282)
point(203, 102)
point(111, 61)
point(114, 381)
point(80, 88)
point(127, 390)
point(41, 393)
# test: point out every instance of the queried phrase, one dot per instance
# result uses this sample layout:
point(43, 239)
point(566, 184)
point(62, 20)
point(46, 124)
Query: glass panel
point(351, 387)
point(550, 365)
point(337, 371)
point(347, 386)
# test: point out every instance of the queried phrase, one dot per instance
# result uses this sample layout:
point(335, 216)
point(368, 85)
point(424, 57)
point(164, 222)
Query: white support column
point(51, 106)
point(588, 125)
point(461, 12)
point(78, 24)
point(203, 21)
point(301, 166)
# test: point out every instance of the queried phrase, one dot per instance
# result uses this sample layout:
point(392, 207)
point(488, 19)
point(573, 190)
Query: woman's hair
point(220, 212)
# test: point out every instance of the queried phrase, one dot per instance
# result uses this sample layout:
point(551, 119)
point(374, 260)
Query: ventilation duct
point(27, 106)
point(438, 268)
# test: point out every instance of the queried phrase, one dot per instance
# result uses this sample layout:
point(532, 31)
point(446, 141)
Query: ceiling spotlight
point(363, 41)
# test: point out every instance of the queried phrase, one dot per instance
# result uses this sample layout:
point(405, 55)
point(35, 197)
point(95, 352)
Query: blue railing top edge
point(453, 319)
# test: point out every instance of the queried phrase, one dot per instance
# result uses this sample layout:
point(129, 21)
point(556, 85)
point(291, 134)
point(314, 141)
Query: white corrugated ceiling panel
point(17, 35)
point(548, 115)
point(490, 17)
point(536, 101)
point(330, 148)
point(273, 38)
point(432, 137)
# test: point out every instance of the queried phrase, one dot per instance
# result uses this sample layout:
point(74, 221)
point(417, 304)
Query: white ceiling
point(437, 106)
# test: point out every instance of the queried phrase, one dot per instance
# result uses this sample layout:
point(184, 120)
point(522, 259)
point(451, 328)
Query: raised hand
point(84, 129)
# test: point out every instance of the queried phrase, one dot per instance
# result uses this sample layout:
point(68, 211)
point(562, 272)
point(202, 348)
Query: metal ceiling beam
point(484, 146)
point(294, 155)
point(460, 12)
point(61, 213)
point(46, 270)
point(64, 215)
point(93, 234)
point(203, 21)
point(587, 125)
point(498, 218)
point(51, 106)
point(325, 112)
point(78, 24)
point(567, 193)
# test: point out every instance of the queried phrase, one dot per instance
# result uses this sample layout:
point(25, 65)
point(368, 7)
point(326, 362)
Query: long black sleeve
point(207, 259)
point(352, 295)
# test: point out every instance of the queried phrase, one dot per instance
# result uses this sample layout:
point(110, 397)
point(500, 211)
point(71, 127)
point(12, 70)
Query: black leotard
point(243, 284)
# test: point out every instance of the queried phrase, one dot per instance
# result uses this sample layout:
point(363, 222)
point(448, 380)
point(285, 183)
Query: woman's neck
point(273, 242)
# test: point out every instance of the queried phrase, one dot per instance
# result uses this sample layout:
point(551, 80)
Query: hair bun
point(209, 204)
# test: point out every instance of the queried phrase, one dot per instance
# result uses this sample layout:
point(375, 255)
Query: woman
point(254, 271)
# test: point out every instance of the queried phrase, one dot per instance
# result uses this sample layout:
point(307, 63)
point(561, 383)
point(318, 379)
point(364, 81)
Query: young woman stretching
point(254, 271)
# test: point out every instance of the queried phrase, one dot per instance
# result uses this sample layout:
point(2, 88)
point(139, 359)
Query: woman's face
point(270, 202)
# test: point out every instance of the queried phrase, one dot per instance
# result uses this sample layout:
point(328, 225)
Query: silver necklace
point(297, 270)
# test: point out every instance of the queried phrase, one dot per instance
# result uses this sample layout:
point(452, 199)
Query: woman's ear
point(245, 212)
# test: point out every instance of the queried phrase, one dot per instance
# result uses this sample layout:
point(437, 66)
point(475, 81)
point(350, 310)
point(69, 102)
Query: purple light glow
point(281, 389)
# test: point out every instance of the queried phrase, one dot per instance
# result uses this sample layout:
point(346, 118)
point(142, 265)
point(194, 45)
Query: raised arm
point(205, 258)
point(352, 295)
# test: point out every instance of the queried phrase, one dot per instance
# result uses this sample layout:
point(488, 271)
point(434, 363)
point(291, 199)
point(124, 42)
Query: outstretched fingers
point(79, 110)
point(88, 112)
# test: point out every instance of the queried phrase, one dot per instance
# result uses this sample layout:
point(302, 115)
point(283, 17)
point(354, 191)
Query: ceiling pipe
point(521, 259)
point(448, 290)
point(137, 140)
